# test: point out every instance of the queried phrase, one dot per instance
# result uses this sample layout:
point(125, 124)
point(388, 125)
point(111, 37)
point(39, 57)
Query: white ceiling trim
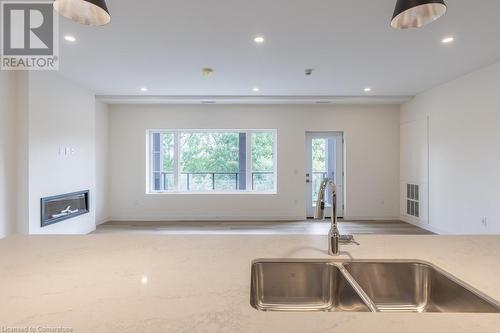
point(317, 100)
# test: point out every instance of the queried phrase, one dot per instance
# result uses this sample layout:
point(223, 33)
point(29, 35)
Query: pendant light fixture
point(417, 13)
point(87, 12)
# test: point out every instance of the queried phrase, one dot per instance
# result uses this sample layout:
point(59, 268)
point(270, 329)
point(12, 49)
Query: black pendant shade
point(87, 12)
point(417, 13)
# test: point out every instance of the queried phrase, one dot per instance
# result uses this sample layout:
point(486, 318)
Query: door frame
point(339, 168)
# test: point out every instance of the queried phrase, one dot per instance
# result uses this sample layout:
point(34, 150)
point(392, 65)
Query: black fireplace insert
point(62, 207)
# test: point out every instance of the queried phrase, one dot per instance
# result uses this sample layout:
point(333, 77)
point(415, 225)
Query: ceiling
point(164, 44)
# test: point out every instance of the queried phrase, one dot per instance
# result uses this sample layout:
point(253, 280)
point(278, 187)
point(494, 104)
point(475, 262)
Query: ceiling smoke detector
point(309, 71)
point(206, 72)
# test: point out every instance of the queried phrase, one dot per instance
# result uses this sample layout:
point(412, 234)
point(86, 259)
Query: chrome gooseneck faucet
point(334, 236)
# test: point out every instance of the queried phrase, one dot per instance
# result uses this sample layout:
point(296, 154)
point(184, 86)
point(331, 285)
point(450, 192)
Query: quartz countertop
point(135, 283)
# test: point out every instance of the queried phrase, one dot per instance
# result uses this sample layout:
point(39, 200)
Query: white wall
point(464, 152)
point(414, 165)
point(102, 139)
point(372, 160)
point(22, 154)
point(8, 85)
point(60, 115)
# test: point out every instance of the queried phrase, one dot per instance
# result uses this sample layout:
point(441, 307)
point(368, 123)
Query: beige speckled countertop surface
point(131, 283)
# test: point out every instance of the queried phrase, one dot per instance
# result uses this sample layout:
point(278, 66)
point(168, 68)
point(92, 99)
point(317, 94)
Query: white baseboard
point(425, 226)
point(91, 230)
point(371, 218)
point(203, 218)
point(238, 218)
point(107, 219)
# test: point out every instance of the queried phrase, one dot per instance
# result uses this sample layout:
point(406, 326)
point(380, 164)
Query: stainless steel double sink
point(362, 286)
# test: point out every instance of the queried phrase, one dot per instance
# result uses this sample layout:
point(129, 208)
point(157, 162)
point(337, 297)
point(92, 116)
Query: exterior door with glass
point(325, 158)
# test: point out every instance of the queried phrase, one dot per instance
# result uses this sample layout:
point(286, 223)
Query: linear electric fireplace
point(62, 207)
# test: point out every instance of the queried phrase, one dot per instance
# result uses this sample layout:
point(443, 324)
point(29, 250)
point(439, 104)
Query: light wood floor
point(309, 227)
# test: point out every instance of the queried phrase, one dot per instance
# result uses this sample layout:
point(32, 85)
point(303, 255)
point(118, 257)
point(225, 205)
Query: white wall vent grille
point(413, 200)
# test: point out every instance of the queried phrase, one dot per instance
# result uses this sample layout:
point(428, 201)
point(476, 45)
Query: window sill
point(213, 193)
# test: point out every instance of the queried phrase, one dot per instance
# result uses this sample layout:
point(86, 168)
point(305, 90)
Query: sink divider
point(368, 301)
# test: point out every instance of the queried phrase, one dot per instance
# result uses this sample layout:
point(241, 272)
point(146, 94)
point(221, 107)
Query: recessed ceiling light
point(367, 89)
point(144, 89)
point(70, 38)
point(256, 89)
point(259, 40)
point(447, 40)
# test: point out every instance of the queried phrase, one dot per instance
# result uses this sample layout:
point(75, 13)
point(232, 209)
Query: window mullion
point(161, 163)
point(249, 186)
point(177, 169)
point(275, 159)
point(242, 161)
point(151, 163)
